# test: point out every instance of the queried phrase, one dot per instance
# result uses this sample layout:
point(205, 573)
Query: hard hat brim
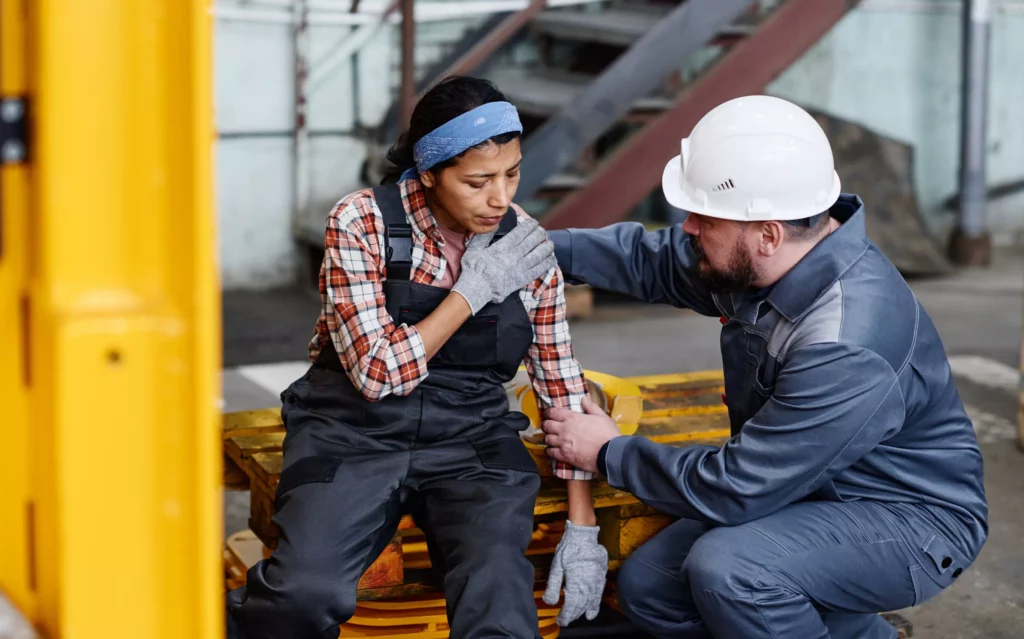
point(673, 190)
point(671, 187)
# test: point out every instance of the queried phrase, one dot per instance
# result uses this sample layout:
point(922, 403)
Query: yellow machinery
point(109, 361)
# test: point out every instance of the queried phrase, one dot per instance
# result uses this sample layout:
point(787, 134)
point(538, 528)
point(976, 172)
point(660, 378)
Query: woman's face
point(475, 192)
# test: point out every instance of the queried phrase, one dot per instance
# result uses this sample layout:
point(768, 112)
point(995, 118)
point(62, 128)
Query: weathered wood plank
point(678, 410)
point(261, 443)
point(267, 468)
point(624, 529)
point(251, 422)
point(234, 477)
point(387, 570)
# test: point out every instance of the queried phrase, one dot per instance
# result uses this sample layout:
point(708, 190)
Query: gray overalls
point(449, 453)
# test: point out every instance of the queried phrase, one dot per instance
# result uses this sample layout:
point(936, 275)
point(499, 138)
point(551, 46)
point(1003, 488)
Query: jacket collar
point(792, 295)
point(416, 201)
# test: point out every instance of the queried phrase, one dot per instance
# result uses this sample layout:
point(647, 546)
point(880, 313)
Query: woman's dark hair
point(445, 101)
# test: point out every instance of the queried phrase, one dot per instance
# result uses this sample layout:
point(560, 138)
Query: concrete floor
point(978, 314)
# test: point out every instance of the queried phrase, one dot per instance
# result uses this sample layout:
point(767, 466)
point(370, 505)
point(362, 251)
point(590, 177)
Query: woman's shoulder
point(521, 213)
point(357, 213)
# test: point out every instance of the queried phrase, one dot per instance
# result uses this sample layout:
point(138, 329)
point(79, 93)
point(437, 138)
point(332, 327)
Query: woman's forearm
point(438, 327)
point(581, 504)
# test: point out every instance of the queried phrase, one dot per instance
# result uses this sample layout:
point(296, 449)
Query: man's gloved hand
point(492, 273)
point(584, 563)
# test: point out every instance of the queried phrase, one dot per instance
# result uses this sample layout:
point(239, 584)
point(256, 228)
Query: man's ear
point(771, 238)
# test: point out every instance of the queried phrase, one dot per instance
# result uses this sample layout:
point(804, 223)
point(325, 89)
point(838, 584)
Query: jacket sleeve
point(832, 404)
point(656, 267)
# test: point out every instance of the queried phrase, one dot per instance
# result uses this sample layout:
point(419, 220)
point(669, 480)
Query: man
point(852, 483)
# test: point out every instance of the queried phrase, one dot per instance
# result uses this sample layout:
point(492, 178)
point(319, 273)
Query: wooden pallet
point(678, 409)
point(419, 616)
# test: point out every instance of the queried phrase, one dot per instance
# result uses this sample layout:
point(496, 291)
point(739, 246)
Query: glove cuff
point(474, 308)
point(574, 533)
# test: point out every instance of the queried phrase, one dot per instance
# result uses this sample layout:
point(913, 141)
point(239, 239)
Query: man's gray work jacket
point(837, 384)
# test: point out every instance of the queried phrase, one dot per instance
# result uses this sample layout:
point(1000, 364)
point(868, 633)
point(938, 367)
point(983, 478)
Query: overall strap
point(397, 232)
point(508, 222)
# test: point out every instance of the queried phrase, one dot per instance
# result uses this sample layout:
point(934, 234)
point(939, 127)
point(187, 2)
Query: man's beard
point(740, 274)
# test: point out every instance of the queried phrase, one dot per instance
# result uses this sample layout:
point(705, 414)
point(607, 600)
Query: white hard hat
point(754, 158)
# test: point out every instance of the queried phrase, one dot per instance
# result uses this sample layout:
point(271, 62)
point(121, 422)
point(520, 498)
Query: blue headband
point(462, 133)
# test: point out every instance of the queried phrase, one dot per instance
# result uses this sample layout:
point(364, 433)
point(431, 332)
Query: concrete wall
point(894, 66)
point(891, 65)
point(254, 97)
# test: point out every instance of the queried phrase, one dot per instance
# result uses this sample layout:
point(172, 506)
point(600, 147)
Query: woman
point(434, 290)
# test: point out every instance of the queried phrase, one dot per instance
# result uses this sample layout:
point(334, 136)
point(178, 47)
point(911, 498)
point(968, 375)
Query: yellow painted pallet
point(421, 616)
point(676, 409)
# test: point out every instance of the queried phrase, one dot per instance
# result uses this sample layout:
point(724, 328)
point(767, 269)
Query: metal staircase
point(610, 89)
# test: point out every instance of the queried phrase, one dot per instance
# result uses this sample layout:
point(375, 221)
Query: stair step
point(615, 27)
point(565, 181)
point(618, 27)
point(538, 93)
point(543, 93)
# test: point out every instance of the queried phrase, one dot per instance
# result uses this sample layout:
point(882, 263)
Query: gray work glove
point(584, 563)
point(492, 273)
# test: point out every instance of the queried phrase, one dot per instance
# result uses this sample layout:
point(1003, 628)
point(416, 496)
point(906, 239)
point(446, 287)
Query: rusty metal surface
point(637, 72)
point(634, 169)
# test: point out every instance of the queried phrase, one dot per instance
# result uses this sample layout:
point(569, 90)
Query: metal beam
point(632, 171)
point(408, 86)
point(17, 511)
point(301, 160)
point(970, 244)
point(634, 74)
point(124, 323)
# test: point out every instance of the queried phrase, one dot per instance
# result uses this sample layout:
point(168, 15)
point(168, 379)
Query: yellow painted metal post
point(16, 568)
point(119, 255)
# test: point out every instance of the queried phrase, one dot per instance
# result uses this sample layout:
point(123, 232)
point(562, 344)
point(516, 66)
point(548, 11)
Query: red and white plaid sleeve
point(556, 376)
point(380, 357)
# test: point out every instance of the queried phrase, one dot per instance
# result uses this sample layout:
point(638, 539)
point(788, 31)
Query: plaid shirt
point(382, 358)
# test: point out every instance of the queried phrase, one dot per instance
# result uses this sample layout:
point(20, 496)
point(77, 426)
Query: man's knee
point(654, 599)
point(633, 586)
point(725, 561)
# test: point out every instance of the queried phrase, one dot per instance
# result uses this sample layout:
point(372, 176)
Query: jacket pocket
point(506, 453)
point(939, 565)
point(924, 587)
point(307, 470)
point(334, 401)
point(944, 564)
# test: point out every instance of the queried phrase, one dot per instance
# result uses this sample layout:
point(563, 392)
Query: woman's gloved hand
point(492, 273)
point(584, 564)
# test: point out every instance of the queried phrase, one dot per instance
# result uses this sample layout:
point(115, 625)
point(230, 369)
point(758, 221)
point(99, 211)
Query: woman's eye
point(476, 185)
point(513, 174)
